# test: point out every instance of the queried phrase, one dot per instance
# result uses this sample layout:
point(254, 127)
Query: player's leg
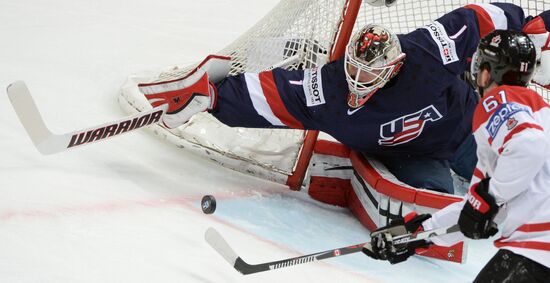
point(421, 172)
point(506, 266)
point(464, 160)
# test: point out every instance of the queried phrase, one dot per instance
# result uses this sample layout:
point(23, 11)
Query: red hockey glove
point(185, 97)
point(382, 247)
point(476, 217)
point(538, 31)
point(189, 95)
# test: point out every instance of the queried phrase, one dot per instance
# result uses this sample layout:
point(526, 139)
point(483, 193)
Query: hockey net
point(295, 34)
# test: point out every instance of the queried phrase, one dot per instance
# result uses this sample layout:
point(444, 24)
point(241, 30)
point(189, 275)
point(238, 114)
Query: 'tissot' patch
point(313, 87)
point(447, 48)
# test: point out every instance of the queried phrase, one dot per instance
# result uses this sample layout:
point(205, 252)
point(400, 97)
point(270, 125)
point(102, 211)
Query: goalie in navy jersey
point(509, 190)
point(397, 98)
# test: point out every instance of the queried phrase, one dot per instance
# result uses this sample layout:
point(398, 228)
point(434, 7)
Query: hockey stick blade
point(218, 243)
point(48, 143)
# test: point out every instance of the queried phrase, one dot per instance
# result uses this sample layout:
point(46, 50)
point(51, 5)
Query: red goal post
point(295, 34)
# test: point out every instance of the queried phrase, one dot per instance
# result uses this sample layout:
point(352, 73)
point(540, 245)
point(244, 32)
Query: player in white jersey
point(510, 190)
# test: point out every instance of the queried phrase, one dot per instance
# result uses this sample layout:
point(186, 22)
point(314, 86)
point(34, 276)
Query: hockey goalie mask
point(373, 57)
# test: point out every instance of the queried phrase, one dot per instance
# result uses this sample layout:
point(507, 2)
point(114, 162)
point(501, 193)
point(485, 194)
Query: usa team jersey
point(512, 130)
point(426, 110)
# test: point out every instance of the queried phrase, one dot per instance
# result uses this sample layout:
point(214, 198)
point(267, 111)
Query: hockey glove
point(538, 29)
point(382, 247)
point(189, 95)
point(185, 97)
point(476, 218)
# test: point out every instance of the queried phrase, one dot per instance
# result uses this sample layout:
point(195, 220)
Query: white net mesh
point(408, 15)
point(295, 34)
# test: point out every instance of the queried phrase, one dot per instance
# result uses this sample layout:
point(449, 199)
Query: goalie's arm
point(282, 99)
point(453, 38)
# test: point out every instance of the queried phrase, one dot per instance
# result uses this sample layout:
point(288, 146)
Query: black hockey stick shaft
point(215, 240)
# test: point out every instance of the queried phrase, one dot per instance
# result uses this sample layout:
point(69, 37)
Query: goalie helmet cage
point(295, 34)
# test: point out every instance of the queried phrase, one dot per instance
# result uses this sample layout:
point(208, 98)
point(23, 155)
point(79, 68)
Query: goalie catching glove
point(382, 247)
point(476, 218)
point(189, 95)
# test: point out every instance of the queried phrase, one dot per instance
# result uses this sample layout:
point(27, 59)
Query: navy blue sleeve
point(453, 38)
point(300, 99)
point(546, 18)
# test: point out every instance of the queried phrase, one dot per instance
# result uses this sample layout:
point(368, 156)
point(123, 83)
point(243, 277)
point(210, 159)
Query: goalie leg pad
point(328, 190)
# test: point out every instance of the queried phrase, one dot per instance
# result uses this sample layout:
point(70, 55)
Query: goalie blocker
point(341, 177)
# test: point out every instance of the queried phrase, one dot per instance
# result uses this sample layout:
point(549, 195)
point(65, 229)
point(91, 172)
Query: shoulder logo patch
point(447, 48)
point(511, 123)
point(503, 115)
point(313, 87)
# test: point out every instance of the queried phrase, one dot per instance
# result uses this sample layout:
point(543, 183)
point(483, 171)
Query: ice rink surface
point(127, 210)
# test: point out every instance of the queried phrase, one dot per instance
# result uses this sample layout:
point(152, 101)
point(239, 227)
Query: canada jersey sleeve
point(280, 98)
point(453, 38)
point(509, 125)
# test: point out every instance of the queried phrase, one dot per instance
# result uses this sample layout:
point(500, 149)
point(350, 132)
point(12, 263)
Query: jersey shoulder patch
point(447, 47)
point(504, 114)
point(313, 87)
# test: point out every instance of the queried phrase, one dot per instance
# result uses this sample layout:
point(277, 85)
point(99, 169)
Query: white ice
point(127, 210)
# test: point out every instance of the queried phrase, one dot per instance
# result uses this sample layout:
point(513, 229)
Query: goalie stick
point(48, 143)
point(218, 243)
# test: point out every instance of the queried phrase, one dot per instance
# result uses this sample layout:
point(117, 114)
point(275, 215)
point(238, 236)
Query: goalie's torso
point(425, 110)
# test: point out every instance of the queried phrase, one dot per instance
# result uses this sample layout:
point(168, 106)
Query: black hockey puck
point(208, 204)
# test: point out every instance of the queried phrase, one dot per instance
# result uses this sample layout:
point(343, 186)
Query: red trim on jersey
point(490, 140)
point(484, 20)
point(332, 148)
point(539, 227)
point(517, 94)
point(534, 26)
point(537, 26)
point(526, 245)
point(517, 129)
point(478, 173)
point(275, 102)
